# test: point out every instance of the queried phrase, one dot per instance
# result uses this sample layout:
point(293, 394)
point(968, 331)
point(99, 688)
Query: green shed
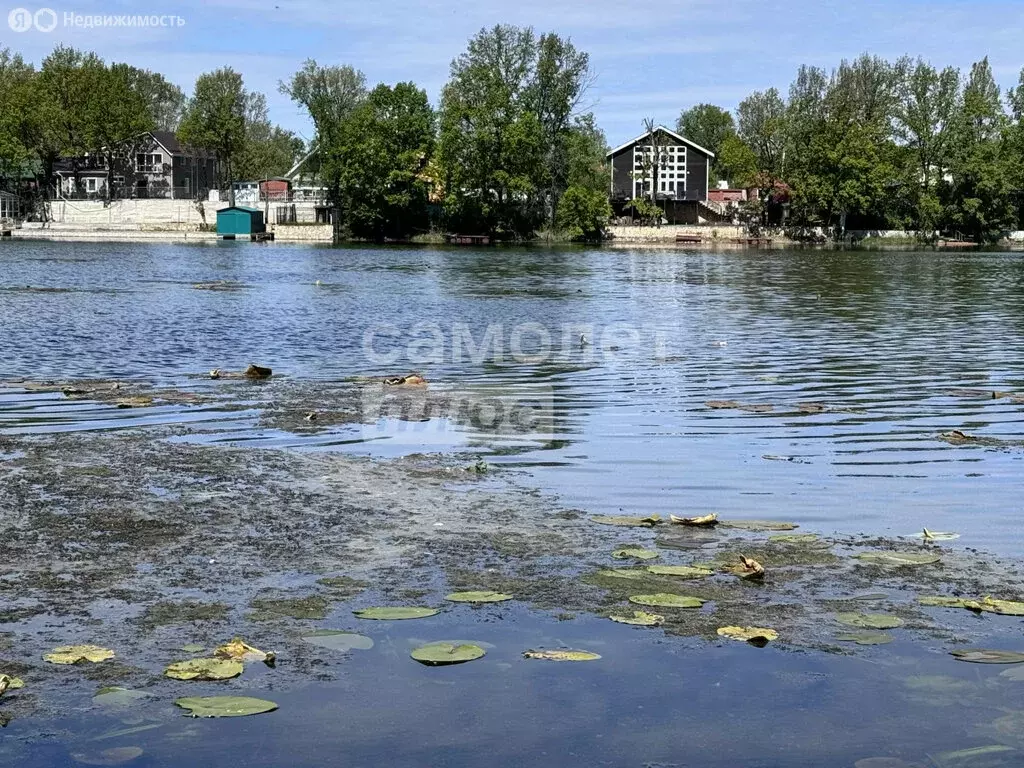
point(239, 221)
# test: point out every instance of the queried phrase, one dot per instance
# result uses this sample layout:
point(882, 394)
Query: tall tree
point(708, 126)
point(329, 94)
point(982, 204)
point(164, 100)
point(561, 78)
point(926, 111)
point(385, 146)
point(491, 146)
point(21, 118)
point(761, 124)
point(215, 119)
point(268, 150)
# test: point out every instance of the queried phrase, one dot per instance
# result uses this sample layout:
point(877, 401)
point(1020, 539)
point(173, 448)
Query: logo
point(46, 20)
point(20, 20)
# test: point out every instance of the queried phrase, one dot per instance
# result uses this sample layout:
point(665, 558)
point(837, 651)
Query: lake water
point(881, 340)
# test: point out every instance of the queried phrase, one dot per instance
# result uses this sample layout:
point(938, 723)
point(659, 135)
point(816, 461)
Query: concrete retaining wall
point(303, 233)
point(142, 214)
point(667, 234)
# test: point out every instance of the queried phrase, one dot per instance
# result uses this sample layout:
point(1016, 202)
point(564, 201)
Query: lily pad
point(988, 656)
point(1003, 607)
point(640, 619)
point(635, 554)
point(622, 573)
point(478, 597)
point(193, 648)
point(680, 571)
point(396, 613)
point(627, 521)
point(225, 706)
point(77, 654)
point(115, 756)
point(940, 601)
point(869, 620)
point(1013, 673)
point(561, 655)
point(238, 650)
point(447, 652)
point(666, 600)
point(865, 637)
point(339, 641)
point(759, 525)
point(894, 559)
point(204, 669)
point(753, 635)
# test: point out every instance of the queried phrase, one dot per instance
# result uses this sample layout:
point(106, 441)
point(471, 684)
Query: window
point(90, 184)
point(671, 186)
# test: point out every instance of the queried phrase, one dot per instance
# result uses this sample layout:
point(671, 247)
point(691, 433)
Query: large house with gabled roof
point(664, 166)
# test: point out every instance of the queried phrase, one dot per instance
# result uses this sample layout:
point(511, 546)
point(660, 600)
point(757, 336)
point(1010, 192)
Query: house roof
point(671, 133)
point(169, 141)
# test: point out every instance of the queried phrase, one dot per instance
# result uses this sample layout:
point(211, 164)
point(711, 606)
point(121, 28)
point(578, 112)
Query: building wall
point(623, 164)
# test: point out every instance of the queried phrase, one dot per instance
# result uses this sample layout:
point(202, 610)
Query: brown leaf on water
point(239, 650)
point(410, 380)
point(720, 405)
point(747, 568)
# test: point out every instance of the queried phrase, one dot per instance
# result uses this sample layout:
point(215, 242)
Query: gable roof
point(168, 140)
point(673, 134)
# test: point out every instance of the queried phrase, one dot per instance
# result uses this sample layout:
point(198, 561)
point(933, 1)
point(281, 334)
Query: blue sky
point(650, 59)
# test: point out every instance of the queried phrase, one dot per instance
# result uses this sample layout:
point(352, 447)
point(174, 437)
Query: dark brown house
point(675, 168)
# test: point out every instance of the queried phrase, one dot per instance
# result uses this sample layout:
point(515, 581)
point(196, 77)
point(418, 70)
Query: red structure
point(275, 189)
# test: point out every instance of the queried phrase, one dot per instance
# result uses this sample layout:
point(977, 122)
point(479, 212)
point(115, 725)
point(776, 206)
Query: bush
point(584, 213)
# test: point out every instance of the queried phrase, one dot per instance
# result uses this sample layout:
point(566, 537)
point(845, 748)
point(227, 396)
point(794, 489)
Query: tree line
point(508, 152)
point(876, 144)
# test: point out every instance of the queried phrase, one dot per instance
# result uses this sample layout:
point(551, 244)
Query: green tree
point(383, 148)
point(215, 119)
point(925, 115)
point(981, 203)
point(21, 117)
point(761, 124)
point(586, 155)
point(268, 150)
point(164, 101)
point(329, 95)
point(709, 126)
point(738, 162)
point(491, 145)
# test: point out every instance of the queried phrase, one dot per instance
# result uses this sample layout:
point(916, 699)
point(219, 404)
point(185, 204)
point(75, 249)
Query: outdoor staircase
point(713, 211)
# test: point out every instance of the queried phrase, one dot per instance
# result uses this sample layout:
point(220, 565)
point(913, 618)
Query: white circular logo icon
point(46, 20)
point(20, 20)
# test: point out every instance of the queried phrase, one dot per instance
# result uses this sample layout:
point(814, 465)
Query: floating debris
point(870, 620)
point(640, 619)
point(225, 706)
point(8, 683)
point(985, 604)
point(336, 640)
point(747, 568)
point(796, 538)
point(976, 757)
point(758, 636)
point(759, 525)
point(396, 613)
point(635, 554)
point(77, 654)
point(447, 652)
point(666, 600)
point(411, 380)
point(722, 404)
point(478, 597)
point(561, 655)
point(627, 520)
point(937, 535)
point(140, 401)
point(238, 650)
point(258, 372)
point(811, 409)
point(705, 521)
point(898, 559)
point(204, 669)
